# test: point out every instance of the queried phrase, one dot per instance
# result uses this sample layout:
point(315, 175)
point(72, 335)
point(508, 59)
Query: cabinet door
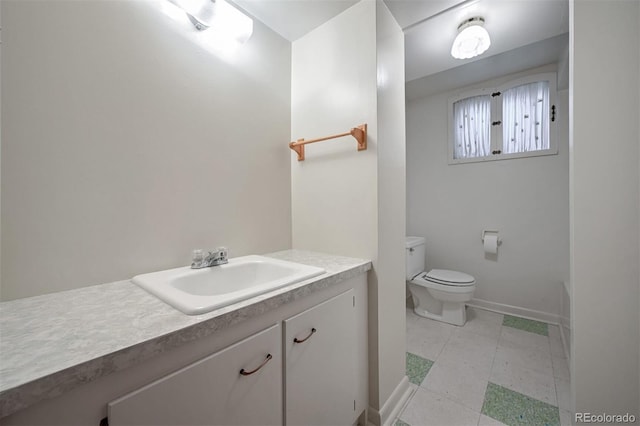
point(320, 365)
point(212, 391)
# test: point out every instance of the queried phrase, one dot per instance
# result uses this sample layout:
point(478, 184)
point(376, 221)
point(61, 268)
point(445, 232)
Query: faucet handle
point(197, 257)
point(222, 252)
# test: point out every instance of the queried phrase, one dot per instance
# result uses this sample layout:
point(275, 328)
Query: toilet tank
point(415, 254)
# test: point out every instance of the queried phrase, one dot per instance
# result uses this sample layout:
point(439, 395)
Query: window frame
point(496, 115)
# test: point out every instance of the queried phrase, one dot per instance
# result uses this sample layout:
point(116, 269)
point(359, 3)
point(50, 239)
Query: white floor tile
point(519, 339)
point(489, 338)
point(538, 360)
point(428, 408)
point(563, 390)
point(488, 421)
point(560, 368)
point(426, 337)
point(524, 380)
point(469, 348)
point(565, 418)
point(463, 383)
point(483, 322)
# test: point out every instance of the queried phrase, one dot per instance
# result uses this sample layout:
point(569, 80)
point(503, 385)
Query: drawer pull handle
point(247, 373)
point(296, 340)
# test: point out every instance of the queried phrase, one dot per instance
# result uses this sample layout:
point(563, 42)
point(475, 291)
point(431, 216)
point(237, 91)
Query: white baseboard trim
point(515, 310)
point(392, 406)
point(565, 343)
point(565, 321)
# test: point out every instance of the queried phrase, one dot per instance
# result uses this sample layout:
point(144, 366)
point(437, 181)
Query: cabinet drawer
point(212, 391)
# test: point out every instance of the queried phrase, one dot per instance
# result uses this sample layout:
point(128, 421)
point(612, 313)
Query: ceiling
point(294, 18)
point(431, 25)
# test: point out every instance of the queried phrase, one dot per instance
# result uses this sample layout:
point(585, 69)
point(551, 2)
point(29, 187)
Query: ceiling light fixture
point(472, 39)
point(217, 16)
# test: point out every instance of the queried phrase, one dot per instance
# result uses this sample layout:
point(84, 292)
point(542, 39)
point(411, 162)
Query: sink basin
point(197, 291)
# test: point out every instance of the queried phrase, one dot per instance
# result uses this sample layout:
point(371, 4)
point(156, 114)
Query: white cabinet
point(320, 383)
point(320, 365)
point(213, 391)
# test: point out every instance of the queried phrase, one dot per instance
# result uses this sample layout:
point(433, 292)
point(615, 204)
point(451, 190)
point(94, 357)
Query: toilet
point(439, 294)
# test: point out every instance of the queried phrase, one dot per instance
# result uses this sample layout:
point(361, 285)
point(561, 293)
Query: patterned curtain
point(525, 118)
point(472, 118)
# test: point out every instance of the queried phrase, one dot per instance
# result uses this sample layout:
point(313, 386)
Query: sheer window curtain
point(472, 118)
point(525, 118)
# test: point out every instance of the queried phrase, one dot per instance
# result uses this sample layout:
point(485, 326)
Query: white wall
point(526, 200)
point(334, 190)
point(339, 201)
point(391, 314)
point(0, 152)
point(333, 88)
point(605, 206)
point(126, 145)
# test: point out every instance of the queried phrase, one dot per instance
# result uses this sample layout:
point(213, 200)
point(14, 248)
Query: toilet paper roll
point(490, 244)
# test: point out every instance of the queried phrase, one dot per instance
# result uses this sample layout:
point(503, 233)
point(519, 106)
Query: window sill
point(498, 157)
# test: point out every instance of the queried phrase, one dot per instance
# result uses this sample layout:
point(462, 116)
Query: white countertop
point(53, 343)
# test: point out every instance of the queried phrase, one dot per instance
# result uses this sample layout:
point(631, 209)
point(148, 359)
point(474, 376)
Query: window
point(511, 121)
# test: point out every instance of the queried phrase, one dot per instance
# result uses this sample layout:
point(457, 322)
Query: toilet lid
point(444, 276)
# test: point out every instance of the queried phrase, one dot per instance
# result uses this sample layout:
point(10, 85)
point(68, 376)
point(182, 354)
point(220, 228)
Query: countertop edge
point(60, 382)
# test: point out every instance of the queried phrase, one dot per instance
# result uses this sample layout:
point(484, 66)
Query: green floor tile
point(400, 423)
point(417, 368)
point(515, 409)
point(526, 325)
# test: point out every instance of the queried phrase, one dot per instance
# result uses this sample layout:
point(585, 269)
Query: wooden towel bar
point(360, 133)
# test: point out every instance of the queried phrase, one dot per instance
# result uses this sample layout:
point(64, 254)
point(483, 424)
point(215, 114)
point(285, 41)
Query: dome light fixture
point(472, 39)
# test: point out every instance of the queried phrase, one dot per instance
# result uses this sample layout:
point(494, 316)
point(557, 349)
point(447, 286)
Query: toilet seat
point(446, 288)
point(447, 277)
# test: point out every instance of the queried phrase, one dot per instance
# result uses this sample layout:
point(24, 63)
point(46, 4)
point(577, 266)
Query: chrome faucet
point(216, 257)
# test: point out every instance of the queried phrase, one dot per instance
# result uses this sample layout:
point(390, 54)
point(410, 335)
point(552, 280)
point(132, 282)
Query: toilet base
point(452, 313)
point(445, 306)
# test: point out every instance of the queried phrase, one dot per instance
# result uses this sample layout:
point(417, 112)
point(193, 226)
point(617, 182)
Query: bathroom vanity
point(297, 355)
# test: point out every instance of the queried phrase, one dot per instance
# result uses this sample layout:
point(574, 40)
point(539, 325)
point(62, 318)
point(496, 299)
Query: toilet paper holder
point(490, 232)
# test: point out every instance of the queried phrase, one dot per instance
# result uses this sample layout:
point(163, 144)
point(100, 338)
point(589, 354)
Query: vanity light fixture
point(199, 12)
point(217, 16)
point(472, 39)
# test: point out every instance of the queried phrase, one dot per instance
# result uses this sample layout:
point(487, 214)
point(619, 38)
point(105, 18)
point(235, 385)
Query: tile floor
point(496, 369)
